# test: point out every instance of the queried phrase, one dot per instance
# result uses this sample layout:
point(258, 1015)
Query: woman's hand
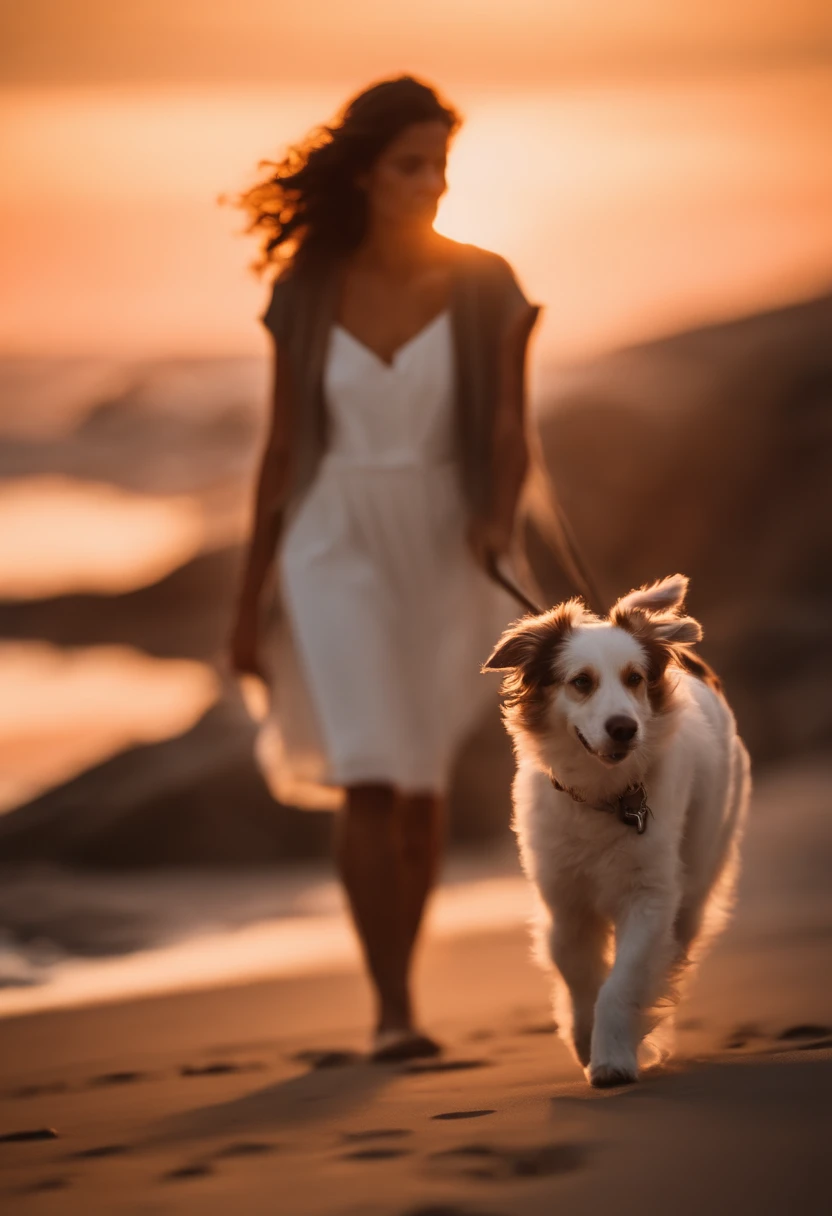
point(489, 538)
point(244, 643)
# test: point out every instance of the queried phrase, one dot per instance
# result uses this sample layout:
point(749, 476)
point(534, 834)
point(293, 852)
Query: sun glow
point(59, 535)
point(63, 711)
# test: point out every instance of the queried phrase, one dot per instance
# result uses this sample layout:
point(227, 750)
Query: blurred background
point(661, 178)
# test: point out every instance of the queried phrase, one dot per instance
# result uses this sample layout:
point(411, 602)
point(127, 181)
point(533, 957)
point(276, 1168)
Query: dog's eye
point(583, 683)
point(634, 679)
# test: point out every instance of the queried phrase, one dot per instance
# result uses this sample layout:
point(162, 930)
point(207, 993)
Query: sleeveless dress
point(386, 617)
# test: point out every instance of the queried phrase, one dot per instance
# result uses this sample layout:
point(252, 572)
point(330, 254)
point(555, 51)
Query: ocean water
point(206, 929)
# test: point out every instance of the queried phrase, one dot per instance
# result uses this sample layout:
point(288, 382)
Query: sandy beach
point(183, 1012)
point(254, 1096)
point(182, 1009)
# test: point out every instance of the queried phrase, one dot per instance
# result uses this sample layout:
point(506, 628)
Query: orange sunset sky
point(525, 41)
point(647, 164)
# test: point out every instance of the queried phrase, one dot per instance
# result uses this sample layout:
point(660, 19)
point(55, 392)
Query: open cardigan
point(491, 322)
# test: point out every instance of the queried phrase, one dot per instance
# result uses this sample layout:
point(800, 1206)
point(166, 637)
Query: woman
point(391, 472)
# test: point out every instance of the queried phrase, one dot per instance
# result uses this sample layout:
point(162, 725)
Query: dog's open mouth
point(584, 742)
point(604, 757)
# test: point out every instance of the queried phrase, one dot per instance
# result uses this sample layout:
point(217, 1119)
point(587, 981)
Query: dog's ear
point(652, 616)
point(654, 612)
point(667, 595)
point(518, 647)
point(678, 631)
point(528, 646)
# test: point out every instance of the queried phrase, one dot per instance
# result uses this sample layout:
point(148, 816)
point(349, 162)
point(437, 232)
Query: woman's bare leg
point(422, 835)
point(388, 851)
point(369, 855)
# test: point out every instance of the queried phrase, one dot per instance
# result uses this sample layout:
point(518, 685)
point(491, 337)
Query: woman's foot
point(390, 1046)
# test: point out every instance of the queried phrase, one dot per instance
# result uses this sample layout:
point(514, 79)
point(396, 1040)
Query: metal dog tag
point(636, 819)
point(635, 816)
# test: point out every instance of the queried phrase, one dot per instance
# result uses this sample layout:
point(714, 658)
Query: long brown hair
point(309, 206)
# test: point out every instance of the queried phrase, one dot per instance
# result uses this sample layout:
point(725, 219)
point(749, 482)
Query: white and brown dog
point(629, 799)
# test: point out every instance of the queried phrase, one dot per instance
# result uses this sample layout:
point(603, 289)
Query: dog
point(630, 795)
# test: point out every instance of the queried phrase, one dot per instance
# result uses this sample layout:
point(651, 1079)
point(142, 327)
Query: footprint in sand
point(118, 1078)
point(37, 1133)
point(197, 1169)
point(806, 1031)
point(420, 1066)
point(40, 1091)
point(807, 1037)
point(245, 1148)
point(221, 1068)
point(740, 1036)
point(488, 1163)
point(100, 1150)
point(57, 1183)
point(464, 1114)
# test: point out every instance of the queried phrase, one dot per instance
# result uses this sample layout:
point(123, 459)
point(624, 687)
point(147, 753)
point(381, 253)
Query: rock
point(197, 799)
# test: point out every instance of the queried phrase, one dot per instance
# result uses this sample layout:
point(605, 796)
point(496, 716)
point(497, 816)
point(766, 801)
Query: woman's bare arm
point(510, 453)
point(269, 500)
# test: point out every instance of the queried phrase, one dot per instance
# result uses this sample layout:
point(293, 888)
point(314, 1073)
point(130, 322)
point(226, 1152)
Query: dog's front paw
point(613, 1059)
point(605, 1076)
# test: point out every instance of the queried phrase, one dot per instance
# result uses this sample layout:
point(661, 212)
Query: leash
point(492, 569)
point(573, 567)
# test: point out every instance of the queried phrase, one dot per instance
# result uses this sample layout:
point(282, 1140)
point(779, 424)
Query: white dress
point(386, 618)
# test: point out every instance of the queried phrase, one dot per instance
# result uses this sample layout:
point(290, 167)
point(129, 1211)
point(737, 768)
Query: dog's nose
point(621, 729)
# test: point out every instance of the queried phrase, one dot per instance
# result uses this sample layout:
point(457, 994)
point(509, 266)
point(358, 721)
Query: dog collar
point(630, 807)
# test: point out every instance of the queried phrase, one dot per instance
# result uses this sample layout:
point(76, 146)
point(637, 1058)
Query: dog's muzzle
point(615, 757)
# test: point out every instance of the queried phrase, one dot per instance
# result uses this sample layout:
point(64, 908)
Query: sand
point(253, 1098)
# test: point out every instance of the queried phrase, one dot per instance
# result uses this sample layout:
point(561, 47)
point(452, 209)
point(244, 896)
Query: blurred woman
point(391, 472)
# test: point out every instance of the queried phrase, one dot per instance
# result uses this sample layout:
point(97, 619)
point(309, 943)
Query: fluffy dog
point(629, 799)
